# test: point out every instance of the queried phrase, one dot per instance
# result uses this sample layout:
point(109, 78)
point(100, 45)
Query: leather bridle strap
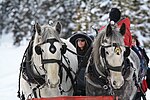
point(46, 61)
point(114, 68)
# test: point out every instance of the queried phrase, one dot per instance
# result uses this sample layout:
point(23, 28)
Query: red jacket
point(127, 36)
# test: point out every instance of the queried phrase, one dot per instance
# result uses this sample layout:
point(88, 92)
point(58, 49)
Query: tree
point(19, 16)
point(138, 12)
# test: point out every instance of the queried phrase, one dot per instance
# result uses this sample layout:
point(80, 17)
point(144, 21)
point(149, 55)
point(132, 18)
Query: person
point(83, 44)
point(144, 60)
point(115, 17)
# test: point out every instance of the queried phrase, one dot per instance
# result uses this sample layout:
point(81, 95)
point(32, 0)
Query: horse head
point(53, 64)
point(112, 53)
point(113, 68)
point(47, 53)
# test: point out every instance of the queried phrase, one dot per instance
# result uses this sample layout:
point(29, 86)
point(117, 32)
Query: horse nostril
point(118, 53)
point(114, 82)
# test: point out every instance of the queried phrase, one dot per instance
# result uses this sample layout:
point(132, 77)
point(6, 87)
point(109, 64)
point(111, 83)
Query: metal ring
point(105, 87)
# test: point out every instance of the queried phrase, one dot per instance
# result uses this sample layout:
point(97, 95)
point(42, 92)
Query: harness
point(99, 79)
point(30, 77)
point(95, 78)
point(107, 66)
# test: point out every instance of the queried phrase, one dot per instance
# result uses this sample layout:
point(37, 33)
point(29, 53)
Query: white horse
point(50, 71)
point(113, 68)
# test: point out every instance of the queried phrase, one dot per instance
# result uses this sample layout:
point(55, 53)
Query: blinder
point(38, 50)
point(63, 49)
point(103, 52)
point(127, 52)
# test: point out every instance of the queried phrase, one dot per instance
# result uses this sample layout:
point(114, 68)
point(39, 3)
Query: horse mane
point(115, 36)
point(96, 45)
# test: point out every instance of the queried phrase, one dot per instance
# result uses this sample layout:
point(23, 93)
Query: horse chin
point(117, 81)
point(117, 87)
point(54, 85)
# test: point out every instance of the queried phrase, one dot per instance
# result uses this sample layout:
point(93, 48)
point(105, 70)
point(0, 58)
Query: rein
point(95, 78)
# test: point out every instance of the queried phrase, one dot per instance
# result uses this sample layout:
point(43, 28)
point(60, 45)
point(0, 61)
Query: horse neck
point(99, 65)
point(96, 54)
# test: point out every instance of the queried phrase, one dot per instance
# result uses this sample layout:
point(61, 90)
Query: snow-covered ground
point(10, 59)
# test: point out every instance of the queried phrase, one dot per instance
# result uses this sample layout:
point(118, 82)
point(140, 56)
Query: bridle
point(41, 78)
point(62, 66)
point(104, 76)
point(107, 66)
point(52, 49)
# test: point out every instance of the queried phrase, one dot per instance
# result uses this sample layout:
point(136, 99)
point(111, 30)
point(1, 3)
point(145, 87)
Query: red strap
point(144, 86)
point(79, 98)
point(101, 28)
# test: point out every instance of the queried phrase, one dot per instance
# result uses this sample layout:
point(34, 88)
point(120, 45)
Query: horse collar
point(97, 78)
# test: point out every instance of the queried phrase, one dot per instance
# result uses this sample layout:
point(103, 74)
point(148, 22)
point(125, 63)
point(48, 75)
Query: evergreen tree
point(18, 16)
point(138, 12)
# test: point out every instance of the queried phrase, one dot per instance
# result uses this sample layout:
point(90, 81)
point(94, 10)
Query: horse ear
point(58, 27)
point(127, 52)
point(123, 29)
point(108, 30)
point(38, 28)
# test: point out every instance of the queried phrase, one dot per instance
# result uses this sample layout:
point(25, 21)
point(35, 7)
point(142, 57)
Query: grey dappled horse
point(113, 68)
point(52, 65)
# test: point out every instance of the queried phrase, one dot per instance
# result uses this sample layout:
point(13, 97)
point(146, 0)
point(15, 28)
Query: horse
point(51, 69)
point(113, 68)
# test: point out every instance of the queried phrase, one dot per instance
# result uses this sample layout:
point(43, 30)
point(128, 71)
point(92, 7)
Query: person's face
point(133, 42)
point(81, 42)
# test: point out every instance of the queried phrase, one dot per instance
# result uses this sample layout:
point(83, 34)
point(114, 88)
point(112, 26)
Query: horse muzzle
point(117, 85)
point(53, 85)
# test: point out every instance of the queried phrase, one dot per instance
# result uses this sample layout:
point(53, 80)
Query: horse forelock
point(49, 32)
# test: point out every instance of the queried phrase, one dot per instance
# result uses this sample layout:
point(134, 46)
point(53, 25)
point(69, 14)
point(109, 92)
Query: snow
point(10, 62)
point(10, 59)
